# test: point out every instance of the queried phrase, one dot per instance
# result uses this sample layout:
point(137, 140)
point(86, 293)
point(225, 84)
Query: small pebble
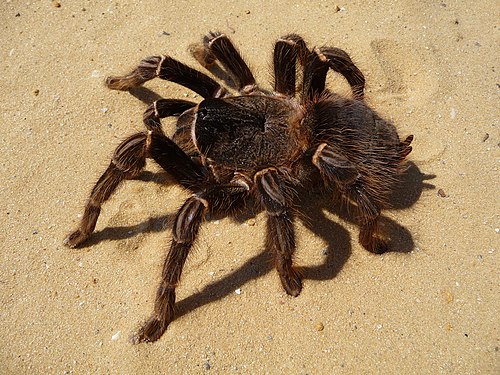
point(206, 366)
point(441, 193)
point(453, 113)
point(56, 4)
point(319, 327)
point(116, 336)
point(238, 291)
point(251, 222)
point(449, 297)
point(36, 92)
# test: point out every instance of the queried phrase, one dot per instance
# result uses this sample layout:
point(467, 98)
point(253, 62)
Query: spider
point(255, 146)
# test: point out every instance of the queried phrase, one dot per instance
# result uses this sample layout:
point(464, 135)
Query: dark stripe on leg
point(287, 51)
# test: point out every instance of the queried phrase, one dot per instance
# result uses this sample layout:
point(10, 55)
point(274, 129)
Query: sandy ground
point(429, 306)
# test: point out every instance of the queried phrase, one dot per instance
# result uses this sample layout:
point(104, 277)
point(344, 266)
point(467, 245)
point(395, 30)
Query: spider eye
point(202, 113)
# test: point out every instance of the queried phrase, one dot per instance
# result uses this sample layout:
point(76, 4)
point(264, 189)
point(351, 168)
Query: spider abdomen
point(357, 133)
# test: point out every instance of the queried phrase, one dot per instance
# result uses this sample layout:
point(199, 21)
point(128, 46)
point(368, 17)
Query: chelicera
point(255, 147)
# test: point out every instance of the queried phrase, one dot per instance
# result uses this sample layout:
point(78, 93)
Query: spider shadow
point(338, 252)
point(145, 95)
point(407, 192)
point(223, 75)
point(317, 205)
point(337, 238)
point(152, 225)
point(412, 183)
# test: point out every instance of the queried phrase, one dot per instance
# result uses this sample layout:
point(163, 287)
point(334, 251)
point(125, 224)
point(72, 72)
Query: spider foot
point(147, 70)
point(76, 238)
point(292, 283)
point(151, 331)
point(374, 245)
point(380, 247)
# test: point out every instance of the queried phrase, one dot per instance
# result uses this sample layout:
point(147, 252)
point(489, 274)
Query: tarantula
point(255, 146)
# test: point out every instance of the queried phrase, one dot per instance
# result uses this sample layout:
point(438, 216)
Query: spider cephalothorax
point(255, 146)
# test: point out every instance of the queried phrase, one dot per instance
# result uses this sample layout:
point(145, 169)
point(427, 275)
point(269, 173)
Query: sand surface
point(429, 306)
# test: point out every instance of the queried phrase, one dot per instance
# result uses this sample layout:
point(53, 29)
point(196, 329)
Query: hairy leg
point(405, 147)
point(333, 166)
point(337, 169)
point(127, 162)
point(168, 155)
point(167, 68)
point(186, 226)
point(280, 236)
point(370, 235)
point(217, 46)
point(287, 51)
point(173, 107)
point(316, 68)
point(164, 108)
point(184, 231)
point(339, 61)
